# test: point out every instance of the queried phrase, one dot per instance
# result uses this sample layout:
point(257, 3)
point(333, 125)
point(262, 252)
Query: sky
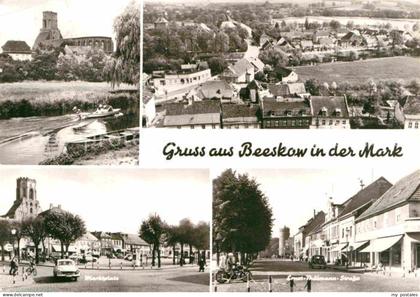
point(115, 200)
point(22, 19)
point(294, 193)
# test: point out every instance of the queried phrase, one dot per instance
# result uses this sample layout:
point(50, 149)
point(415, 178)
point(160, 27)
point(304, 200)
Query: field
point(395, 68)
point(53, 90)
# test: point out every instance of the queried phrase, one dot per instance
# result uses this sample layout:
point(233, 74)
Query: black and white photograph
point(95, 230)
point(69, 82)
point(281, 64)
point(316, 230)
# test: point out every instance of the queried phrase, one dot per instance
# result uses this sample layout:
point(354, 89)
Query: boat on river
point(102, 112)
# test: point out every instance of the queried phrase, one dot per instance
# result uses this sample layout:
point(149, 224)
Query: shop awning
point(339, 247)
point(356, 245)
point(381, 244)
point(414, 236)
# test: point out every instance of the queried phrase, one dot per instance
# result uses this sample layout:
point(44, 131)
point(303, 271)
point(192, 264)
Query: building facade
point(391, 225)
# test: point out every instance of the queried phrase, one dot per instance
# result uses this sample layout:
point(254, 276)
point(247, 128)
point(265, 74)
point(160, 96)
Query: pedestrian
point(291, 284)
point(308, 285)
point(201, 263)
point(13, 266)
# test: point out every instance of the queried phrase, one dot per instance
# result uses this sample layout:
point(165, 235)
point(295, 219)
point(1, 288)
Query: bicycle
point(31, 270)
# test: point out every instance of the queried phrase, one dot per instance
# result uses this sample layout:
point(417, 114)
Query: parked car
point(317, 261)
point(66, 268)
point(86, 258)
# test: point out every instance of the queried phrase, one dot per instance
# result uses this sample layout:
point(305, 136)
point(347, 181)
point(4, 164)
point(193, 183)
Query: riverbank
point(117, 152)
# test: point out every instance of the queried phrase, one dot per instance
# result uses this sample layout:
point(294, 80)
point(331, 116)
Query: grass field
point(51, 91)
point(394, 68)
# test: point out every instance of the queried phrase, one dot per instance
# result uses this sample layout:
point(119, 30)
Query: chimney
point(314, 213)
point(51, 205)
point(59, 206)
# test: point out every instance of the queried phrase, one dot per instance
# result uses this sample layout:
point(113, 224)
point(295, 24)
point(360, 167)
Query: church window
point(30, 210)
point(31, 194)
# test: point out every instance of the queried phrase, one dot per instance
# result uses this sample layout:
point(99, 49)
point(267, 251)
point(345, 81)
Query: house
point(187, 76)
point(252, 92)
point(329, 112)
point(161, 23)
point(213, 89)
point(318, 35)
point(306, 45)
point(201, 114)
point(88, 243)
point(325, 43)
point(240, 116)
point(288, 90)
point(257, 63)
point(306, 230)
point(352, 39)
point(355, 206)
point(134, 244)
point(331, 247)
point(105, 242)
point(287, 75)
point(391, 225)
point(407, 112)
point(264, 38)
point(117, 242)
point(17, 49)
point(285, 114)
point(241, 72)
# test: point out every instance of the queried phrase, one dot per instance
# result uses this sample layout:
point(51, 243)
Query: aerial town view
point(69, 87)
point(326, 64)
point(320, 230)
point(53, 241)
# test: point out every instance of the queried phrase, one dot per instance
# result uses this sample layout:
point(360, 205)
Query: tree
point(242, 216)
point(5, 235)
point(65, 227)
point(396, 37)
point(125, 64)
point(172, 239)
point(350, 25)
point(217, 65)
point(186, 234)
point(152, 231)
point(335, 25)
point(312, 86)
point(34, 228)
point(202, 236)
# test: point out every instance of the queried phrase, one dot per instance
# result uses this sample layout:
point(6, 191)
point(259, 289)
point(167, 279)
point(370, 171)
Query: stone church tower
point(26, 204)
point(49, 33)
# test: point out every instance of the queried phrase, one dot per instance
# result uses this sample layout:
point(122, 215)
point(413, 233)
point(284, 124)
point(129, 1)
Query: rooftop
point(329, 106)
point(16, 47)
point(406, 189)
point(369, 194)
point(288, 108)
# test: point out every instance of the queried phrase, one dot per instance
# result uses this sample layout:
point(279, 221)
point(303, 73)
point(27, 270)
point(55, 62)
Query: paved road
point(327, 280)
point(186, 279)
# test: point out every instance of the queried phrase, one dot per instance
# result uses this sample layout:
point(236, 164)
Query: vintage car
point(317, 261)
point(66, 268)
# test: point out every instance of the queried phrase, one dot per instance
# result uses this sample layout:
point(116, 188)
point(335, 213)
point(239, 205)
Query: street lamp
point(13, 232)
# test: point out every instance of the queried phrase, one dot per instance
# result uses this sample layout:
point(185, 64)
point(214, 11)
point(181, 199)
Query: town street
point(324, 280)
point(167, 279)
